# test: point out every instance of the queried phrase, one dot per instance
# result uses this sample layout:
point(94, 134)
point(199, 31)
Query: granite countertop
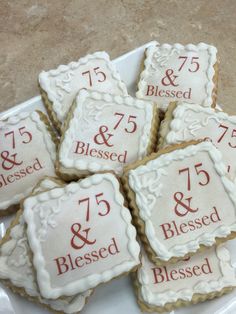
point(40, 35)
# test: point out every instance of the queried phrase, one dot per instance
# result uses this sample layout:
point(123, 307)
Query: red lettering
point(100, 201)
point(79, 148)
point(77, 260)
point(194, 65)
point(62, 267)
point(205, 179)
point(69, 262)
point(150, 90)
point(179, 94)
point(82, 148)
point(173, 273)
point(29, 169)
point(172, 229)
point(205, 219)
point(195, 269)
point(101, 76)
point(113, 248)
point(21, 173)
point(166, 228)
point(206, 268)
point(168, 273)
point(157, 273)
point(26, 136)
point(225, 130)
point(182, 227)
point(101, 251)
point(111, 156)
point(93, 152)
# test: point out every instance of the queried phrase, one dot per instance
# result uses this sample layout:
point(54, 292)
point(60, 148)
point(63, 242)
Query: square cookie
point(60, 86)
point(16, 269)
point(182, 200)
point(203, 276)
point(104, 132)
point(179, 73)
point(184, 122)
point(27, 154)
point(65, 228)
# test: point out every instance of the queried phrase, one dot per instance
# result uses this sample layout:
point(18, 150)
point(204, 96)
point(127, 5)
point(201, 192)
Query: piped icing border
point(44, 78)
point(49, 138)
point(201, 288)
point(210, 85)
point(206, 239)
point(77, 113)
point(176, 124)
point(90, 281)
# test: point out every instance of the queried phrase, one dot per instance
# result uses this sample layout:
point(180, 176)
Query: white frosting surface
point(27, 153)
point(192, 75)
point(218, 274)
point(94, 71)
point(50, 217)
point(15, 265)
point(96, 110)
point(156, 199)
point(195, 122)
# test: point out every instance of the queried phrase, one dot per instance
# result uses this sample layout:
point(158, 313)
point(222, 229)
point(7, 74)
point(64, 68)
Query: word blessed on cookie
point(164, 274)
point(183, 206)
point(81, 237)
point(169, 84)
point(105, 137)
point(10, 160)
point(68, 263)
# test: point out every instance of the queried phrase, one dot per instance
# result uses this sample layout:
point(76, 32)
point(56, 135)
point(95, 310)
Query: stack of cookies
point(106, 165)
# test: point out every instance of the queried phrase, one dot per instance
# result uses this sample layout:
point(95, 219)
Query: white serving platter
point(117, 296)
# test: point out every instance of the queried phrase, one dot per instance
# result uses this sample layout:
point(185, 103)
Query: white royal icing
point(215, 272)
point(63, 83)
point(16, 266)
point(39, 154)
point(193, 87)
point(62, 211)
point(94, 110)
point(194, 122)
point(155, 200)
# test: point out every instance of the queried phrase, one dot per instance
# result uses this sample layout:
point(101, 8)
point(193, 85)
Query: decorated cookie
point(186, 122)
point(27, 154)
point(179, 73)
point(105, 132)
point(16, 270)
point(195, 279)
point(60, 86)
point(182, 200)
point(65, 228)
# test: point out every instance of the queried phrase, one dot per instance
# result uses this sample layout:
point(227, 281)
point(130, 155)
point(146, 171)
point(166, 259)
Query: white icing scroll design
point(194, 124)
point(23, 257)
point(149, 185)
point(48, 214)
point(93, 110)
point(227, 269)
point(161, 57)
point(15, 254)
point(63, 86)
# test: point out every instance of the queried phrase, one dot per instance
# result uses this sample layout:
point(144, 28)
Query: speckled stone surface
point(40, 35)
